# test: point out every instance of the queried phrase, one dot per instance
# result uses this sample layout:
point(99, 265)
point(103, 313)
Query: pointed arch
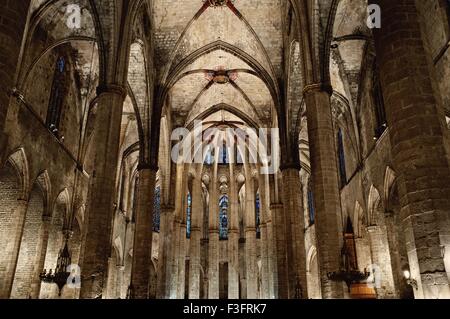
point(372, 206)
point(63, 199)
point(43, 181)
point(389, 179)
point(358, 220)
point(18, 159)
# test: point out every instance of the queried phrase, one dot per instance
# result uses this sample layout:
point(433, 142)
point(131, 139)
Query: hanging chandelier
point(348, 271)
point(61, 275)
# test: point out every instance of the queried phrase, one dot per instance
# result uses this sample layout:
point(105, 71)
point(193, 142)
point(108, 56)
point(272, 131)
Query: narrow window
point(57, 96)
point(341, 154)
point(157, 210)
point(223, 218)
point(188, 215)
point(258, 216)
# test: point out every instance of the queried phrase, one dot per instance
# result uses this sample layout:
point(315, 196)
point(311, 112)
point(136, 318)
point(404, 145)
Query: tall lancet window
point(208, 156)
point(188, 215)
point(258, 216)
point(311, 208)
point(57, 96)
point(341, 155)
point(223, 218)
point(157, 210)
point(224, 159)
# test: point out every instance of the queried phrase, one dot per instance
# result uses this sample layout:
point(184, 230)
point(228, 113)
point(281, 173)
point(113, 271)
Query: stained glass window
point(258, 216)
point(223, 217)
point(341, 154)
point(157, 210)
point(188, 215)
point(224, 159)
point(208, 157)
point(56, 96)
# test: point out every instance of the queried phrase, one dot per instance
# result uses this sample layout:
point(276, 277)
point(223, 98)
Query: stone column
point(20, 212)
point(250, 238)
point(213, 243)
point(196, 236)
point(325, 186)
point(295, 232)
point(143, 233)
point(105, 139)
point(13, 19)
point(281, 250)
point(42, 252)
point(120, 269)
point(233, 238)
point(267, 279)
point(382, 261)
point(417, 140)
point(182, 241)
point(272, 260)
point(165, 257)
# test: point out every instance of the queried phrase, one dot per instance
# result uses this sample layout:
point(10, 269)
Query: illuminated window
point(258, 216)
point(223, 217)
point(188, 215)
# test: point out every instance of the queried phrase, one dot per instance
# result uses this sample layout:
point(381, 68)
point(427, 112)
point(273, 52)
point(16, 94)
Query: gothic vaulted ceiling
point(219, 54)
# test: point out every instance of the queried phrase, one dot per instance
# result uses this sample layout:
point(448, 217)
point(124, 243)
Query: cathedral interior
point(99, 201)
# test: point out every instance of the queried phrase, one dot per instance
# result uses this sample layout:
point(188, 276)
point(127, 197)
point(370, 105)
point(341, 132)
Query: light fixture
point(61, 274)
point(410, 281)
point(348, 271)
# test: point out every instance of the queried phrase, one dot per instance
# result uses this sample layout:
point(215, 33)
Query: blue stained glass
point(188, 215)
point(258, 216)
point(223, 218)
point(157, 210)
point(61, 64)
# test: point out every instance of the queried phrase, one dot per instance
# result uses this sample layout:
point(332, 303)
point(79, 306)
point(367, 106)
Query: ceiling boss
point(218, 3)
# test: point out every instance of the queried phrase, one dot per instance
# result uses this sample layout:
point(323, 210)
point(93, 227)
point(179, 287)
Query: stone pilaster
point(165, 257)
point(250, 239)
point(213, 243)
point(106, 138)
point(143, 233)
point(42, 252)
point(196, 235)
point(325, 185)
point(267, 278)
point(233, 238)
point(6, 286)
point(417, 139)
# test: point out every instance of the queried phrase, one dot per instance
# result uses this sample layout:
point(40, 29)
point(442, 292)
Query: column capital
point(112, 89)
point(318, 87)
point(276, 206)
point(372, 228)
point(147, 166)
point(167, 209)
point(291, 165)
